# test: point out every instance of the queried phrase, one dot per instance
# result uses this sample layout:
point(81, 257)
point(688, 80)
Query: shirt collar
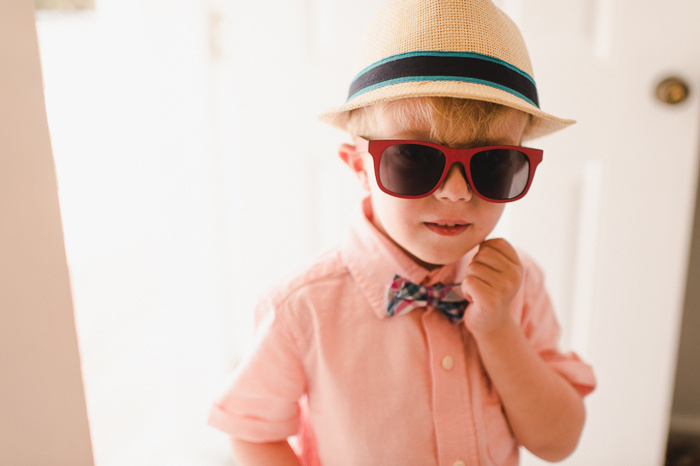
point(373, 260)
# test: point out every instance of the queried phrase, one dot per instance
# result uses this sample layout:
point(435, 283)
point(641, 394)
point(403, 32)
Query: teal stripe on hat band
point(440, 78)
point(446, 66)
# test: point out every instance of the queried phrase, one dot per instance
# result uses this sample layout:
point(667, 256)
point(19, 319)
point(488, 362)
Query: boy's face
point(440, 228)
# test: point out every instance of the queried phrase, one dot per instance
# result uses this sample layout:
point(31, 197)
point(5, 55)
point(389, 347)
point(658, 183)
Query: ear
point(356, 162)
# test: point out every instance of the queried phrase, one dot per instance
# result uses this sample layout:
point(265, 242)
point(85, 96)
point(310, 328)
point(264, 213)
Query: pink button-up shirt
point(361, 388)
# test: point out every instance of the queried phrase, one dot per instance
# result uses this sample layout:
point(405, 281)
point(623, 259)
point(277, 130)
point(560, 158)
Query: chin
point(438, 260)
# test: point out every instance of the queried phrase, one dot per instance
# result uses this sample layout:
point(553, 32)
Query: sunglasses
point(415, 169)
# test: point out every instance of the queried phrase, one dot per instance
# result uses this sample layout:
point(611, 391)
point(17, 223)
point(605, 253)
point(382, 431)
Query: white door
point(611, 215)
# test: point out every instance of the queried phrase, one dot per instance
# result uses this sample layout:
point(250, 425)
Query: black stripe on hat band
point(446, 66)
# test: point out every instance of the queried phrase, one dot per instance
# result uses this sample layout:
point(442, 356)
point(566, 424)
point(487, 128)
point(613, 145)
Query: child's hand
point(493, 278)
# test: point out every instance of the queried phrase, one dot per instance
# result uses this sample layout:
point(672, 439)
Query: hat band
point(446, 66)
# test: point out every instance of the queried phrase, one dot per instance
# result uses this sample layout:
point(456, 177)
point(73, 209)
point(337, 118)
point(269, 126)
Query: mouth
point(447, 228)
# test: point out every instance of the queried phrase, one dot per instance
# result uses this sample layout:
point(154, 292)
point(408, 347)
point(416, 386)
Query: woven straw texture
point(445, 25)
point(452, 25)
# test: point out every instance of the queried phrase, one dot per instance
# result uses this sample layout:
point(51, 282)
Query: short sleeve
point(542, 329)
point(260, 402)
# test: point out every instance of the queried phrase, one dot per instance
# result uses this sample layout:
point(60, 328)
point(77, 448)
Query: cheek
point(392, 215)
point(490, 214)
point(389, 212)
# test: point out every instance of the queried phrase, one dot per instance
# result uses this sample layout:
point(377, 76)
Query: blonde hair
point(450, 119)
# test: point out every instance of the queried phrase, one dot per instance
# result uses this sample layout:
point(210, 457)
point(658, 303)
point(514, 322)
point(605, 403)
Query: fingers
point(493, 252)
point(493, 278)
point(487, 274)
point(494, 269)
point(495, 257)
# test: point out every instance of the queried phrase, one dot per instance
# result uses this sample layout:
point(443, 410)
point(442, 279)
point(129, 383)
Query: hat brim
point(540, 124)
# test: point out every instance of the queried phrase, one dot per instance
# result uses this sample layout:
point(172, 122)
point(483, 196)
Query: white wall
point(42, 407)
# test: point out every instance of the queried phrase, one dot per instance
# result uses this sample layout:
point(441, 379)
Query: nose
point(455, 186)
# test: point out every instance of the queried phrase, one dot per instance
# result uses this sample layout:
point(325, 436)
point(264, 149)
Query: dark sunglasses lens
point(411, 169)
point(500, 174)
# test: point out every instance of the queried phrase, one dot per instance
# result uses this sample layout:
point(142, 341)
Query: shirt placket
point(455, 433)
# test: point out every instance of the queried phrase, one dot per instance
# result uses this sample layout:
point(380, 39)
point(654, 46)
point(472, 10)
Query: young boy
point(419, 341)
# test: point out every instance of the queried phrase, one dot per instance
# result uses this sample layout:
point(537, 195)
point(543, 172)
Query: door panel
point(611, 216)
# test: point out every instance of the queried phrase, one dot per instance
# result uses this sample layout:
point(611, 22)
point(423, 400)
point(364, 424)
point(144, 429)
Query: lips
point(447, 228)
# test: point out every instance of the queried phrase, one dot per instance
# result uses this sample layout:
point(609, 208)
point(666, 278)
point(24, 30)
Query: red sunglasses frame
point(376, 148)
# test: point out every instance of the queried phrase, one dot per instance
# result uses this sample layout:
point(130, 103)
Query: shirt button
point(447, 363)
point(459, 463)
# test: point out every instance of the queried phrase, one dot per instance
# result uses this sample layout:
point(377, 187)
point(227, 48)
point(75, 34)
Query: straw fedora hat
point(448, 48)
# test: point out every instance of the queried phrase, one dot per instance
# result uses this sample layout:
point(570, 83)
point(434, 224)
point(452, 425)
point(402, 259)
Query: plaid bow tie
point(404, 296)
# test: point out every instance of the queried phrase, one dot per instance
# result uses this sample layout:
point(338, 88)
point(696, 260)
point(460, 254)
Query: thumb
point(466, 291)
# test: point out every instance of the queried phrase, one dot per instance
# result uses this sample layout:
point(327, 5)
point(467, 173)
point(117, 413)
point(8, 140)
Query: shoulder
point(533, 276)
point(532, 298)
point(533, 302)
point(316, 280)
point(308, 299)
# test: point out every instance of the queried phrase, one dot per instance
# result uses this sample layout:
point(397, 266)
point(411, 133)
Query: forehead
point(451, 122)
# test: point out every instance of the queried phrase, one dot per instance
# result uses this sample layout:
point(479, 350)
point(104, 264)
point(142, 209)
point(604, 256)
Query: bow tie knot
point(404, 296)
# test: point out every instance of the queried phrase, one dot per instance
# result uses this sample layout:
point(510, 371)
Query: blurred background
point(193, 174)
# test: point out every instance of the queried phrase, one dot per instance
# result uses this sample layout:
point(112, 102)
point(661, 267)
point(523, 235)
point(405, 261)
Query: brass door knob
point(672, 91)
